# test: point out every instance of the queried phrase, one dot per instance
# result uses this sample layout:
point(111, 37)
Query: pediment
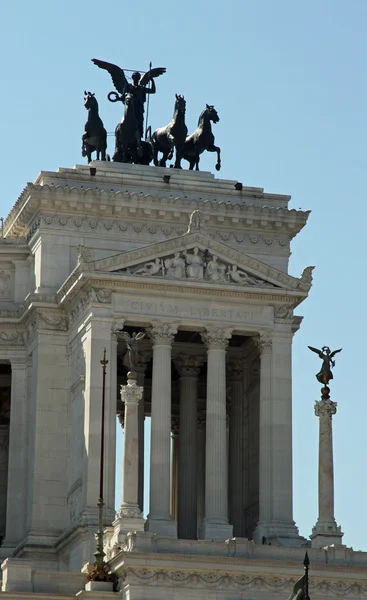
point(196, 257)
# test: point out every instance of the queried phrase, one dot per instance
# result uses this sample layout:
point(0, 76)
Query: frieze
point(154, 231)
point(240, 581)
point(197, 265)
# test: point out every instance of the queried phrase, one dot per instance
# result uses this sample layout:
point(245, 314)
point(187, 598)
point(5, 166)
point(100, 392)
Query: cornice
point(97, 202)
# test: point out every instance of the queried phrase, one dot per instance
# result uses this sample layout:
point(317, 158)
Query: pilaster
point(97, 337)
point(275, 483)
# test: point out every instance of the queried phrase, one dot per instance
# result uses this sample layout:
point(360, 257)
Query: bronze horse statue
point(94, 138)
point(165, 139)
point(202, 139)
point(127, 133)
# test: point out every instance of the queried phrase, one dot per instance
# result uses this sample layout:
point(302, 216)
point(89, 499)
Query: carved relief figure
point(240, 276)
point(175, 266)
point(150, 268)
point(215, 271)
point(195, 265)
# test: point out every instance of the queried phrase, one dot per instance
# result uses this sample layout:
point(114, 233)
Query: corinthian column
point(188, 368)
point(326, 532)
point(215, 525)
point(159, 518)
point(235, 487)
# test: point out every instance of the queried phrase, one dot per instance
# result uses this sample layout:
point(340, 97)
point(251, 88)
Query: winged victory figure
point(326, 355)
point(138, 88)
point(131, 357)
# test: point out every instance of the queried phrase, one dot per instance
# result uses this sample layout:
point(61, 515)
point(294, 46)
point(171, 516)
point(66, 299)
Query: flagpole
point(306, 564)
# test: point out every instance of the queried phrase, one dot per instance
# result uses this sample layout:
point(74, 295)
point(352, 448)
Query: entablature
point(68, 202)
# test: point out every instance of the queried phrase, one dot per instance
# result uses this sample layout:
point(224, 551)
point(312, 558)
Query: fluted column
point(235, 466)
point(188, 368)
point(159, 518)
point(215, 525)
point(200, 468)
point(140, 368)
point(275, 437)
point(326, 532)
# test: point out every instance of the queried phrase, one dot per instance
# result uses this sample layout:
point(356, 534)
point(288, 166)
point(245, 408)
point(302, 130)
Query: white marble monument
point(200, 265)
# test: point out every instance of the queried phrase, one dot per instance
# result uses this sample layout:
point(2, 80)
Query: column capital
point(325, 408)
point(162, 333)
point(188, 365)
point(131, 393)
point(216, 338)
point(264, 343)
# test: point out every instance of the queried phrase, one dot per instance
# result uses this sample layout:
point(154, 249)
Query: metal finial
point(325, 374)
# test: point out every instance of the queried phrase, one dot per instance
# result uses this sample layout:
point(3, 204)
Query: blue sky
point(288, 79)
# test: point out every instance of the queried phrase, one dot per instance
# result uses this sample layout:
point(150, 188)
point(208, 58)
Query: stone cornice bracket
point(188, 365)
point(325, 408)
point(162, 333)
point(216, 338)
point(264, 343)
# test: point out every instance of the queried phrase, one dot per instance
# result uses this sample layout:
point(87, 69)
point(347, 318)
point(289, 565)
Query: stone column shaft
point(143, 359)
point(189, 369)
point(235, 467)
point(131, 395)
point(215, 525)
point(159, 518)
point(200, 469)
point(275, 473)
point(326, 532)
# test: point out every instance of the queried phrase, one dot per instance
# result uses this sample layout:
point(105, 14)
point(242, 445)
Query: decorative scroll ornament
point(11, 338)
point(241, 581)
point(197, 222)
point(84, 254)
point(283, 312)
point(306, 277)
point(197, 265)
point(325, 408)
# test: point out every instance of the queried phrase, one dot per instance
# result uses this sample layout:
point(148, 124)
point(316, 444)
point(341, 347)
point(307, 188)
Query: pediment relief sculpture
point(196, 265)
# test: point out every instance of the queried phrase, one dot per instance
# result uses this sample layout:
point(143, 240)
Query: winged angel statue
point(138, 88)
point(131, 357)
point(327, 356)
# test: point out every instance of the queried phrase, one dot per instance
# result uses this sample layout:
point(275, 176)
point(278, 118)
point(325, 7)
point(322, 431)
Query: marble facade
point(201, 267)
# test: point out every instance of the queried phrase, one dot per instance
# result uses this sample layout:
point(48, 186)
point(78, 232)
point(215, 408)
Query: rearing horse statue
point(94, 138)
point(128, 143)
point(165, 139)
point(202, 139)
